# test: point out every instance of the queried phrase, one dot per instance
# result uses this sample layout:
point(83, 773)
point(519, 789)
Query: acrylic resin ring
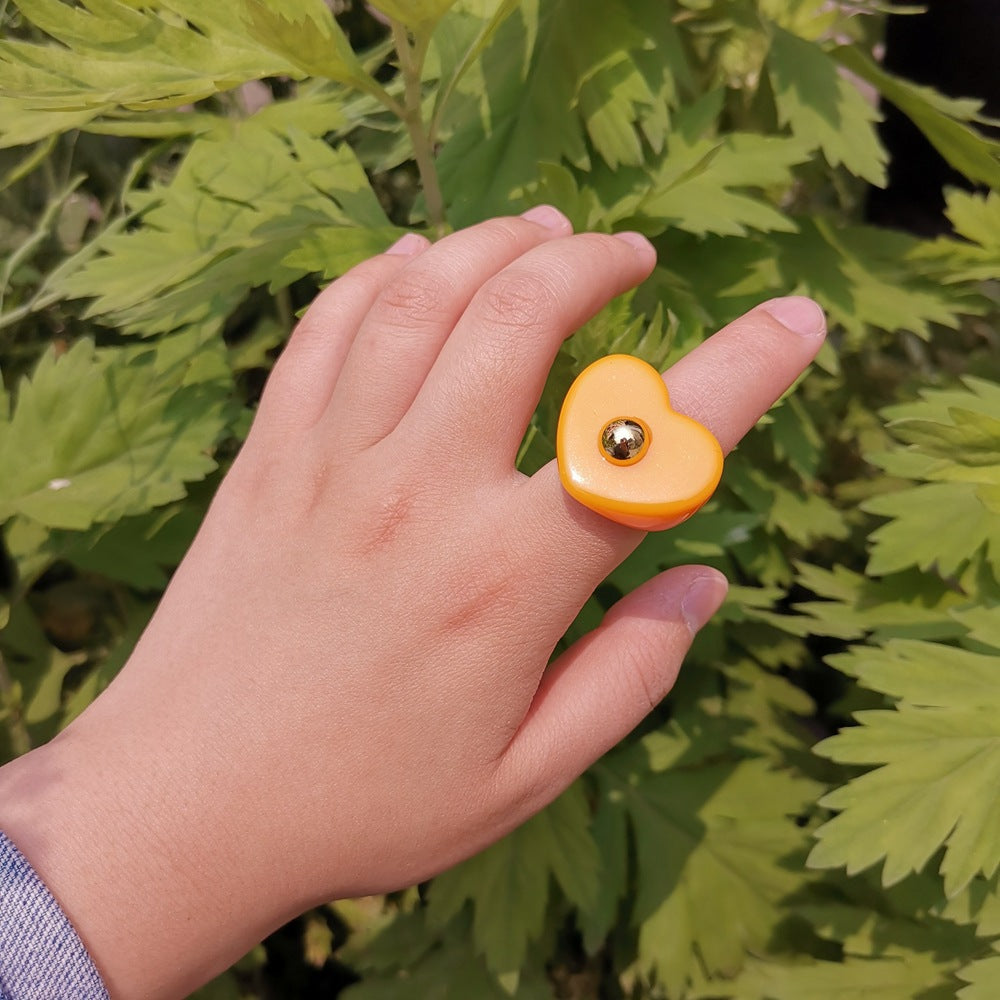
point(625, 453)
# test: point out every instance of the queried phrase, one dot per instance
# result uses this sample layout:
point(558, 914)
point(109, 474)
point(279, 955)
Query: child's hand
point(344, 689)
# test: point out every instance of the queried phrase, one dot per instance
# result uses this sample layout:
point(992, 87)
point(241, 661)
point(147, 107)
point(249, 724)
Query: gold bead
point(624, 440)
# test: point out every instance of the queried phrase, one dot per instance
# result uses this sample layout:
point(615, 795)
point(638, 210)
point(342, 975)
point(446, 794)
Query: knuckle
point(606, 247)
point(506, 232)
point(509, 234)
point(520, 301)
point(412, 301)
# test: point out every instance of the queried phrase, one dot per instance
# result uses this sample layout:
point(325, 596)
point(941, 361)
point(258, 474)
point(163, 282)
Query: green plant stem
point(283, 306)
point(20, 739)
point(411, 61)
point(41, 233)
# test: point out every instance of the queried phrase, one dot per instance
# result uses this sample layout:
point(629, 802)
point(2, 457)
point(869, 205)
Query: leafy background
point(812, 813)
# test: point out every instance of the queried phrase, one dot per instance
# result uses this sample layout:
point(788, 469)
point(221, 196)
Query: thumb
point(603, 686)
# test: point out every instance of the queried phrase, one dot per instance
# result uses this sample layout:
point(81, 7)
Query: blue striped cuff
point(41, 957)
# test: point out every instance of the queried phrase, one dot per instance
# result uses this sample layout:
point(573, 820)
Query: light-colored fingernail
point(703, 598)
point(547, 216)
point(408, 245)
point(799, 314)
point(636, 240)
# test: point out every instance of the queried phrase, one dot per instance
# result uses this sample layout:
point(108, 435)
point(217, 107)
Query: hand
point(344, 690)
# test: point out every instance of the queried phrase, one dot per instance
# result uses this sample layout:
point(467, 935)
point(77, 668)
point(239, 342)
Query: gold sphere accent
point(624, 440)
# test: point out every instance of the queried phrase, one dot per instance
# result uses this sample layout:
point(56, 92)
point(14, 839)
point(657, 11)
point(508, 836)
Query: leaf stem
point(41, 233)
point(411, 63)
point(20, 739)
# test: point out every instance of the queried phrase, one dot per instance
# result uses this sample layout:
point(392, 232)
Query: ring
point(624, 452)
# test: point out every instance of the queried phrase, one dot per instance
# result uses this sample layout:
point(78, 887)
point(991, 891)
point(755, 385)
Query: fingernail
point(703, 598)
point(547, 216)
point(798, 313)
point(636, 240)
point(408, 245)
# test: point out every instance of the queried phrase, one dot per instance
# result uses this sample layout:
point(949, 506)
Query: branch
point(411, 64)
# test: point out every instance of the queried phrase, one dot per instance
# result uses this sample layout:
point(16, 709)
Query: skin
point(344, 690)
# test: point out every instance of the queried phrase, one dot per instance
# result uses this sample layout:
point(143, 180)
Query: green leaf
point(943, 120)
point(458, 40)
point(247, 207)
point(37, 667)
point(420, 16)
point(798, 515)
point(863, 275)
point(706, 185)
point(100, 434)
point(304, 32)
point(508, 883)
point(942, 525)
point(22, 125)
point(556, 74)
point(948, 520)
point(979, 904)
point(982, 977)
point(902, 977)
point(969, 439)
point(419, 966)
point(976, 216)
point(940, 754)
point(111, 54)
point(823, 108)
point(138, 550)
point(710, 837)
point(911, 604)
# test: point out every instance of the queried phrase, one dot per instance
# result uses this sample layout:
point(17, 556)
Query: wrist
point(105, 825)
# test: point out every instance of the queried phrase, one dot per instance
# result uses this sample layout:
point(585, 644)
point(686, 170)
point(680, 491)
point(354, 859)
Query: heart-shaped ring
point(625, 453)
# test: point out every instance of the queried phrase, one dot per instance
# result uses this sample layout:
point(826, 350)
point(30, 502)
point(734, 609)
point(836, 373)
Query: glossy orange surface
point(678, 469)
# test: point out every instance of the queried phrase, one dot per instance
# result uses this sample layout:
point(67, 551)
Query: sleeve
point(41, 956)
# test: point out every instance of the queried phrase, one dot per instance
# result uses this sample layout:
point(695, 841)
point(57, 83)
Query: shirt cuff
point(41, 956)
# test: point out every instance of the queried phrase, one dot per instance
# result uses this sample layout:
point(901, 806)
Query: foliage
point(178, 177)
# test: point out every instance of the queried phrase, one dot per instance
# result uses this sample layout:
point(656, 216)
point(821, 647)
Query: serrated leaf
point(983, 623)
point(940, 756)
point(709, 839)
point(969, 438)
point(800, 516)
point(948, 520)
point(556, 74)
point(138, 550)
point(508, 883)
point(978, 904)
point(941, 525)
point(976, 217)
point(97, 435)
point(111, 54)
point(420, 16)
point(944, 121)
point(823, 108)
point(423, 967)
point(224, 987)
point(37, 667)
point(901, 977)
point(246, 208)
point(304, 32)
point(911, 605)
point(864, 275)
point(706, 186)
point(982, 977)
